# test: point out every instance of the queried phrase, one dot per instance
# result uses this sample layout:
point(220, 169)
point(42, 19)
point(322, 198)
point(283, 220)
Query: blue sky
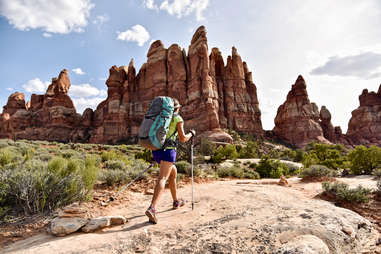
point(335, 45)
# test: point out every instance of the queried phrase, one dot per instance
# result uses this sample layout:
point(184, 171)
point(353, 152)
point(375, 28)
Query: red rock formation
point(297, 119)
point(208, 91)
point(48, 117)
point(365, 124)
point(214, 96)
point(15, 102)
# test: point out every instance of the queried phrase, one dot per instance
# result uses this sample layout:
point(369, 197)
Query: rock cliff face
point(214, 96)
point(298, 121)
point(365, 124)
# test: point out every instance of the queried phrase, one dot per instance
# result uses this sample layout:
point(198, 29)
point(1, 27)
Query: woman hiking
point(166, 158)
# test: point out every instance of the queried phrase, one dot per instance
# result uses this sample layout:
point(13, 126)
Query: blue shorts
point(164, 155)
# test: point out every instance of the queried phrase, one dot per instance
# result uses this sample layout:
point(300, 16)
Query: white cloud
point(182, 8)
point(47, 35)
point(58, 16)
point(150, 4)
point(83, 103)
point(10, 89)
point(137, 33)
point(78, 71)
point(101, 19)
point(85, 91)
point(36, 86)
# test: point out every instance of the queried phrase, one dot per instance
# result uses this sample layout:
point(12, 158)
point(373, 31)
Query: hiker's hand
point(193, 132)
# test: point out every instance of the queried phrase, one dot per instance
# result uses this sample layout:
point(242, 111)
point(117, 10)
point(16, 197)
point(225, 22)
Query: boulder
point(306, 244)
point(65, 226)
point(97, 223)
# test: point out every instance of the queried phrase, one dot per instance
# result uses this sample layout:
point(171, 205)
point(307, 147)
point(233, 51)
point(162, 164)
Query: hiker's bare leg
point(165, 171)
point(172, 182)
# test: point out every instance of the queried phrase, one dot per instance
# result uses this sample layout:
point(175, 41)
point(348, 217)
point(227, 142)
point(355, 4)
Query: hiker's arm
point(182, 136)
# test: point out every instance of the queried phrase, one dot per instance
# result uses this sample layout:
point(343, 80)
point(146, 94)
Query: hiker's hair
point(176, 101)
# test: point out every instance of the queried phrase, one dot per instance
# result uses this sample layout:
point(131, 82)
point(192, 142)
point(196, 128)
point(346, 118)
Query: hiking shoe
point(178, 203)
point(151, 214)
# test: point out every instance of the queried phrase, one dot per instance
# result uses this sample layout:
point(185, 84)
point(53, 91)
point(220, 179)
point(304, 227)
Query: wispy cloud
point(35, 86)
point(366, 65)
point(58, 16)
point(101, 19)
point(83, 103)
point(78, 71)
point(179, 8)
point(137, 33)
point(85, 90)
point(47, 35)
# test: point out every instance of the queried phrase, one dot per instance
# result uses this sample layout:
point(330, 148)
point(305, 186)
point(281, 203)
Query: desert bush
point(145, 155)
point(206, 147)
point(331, 156)
point(233, 171)
point(377, 172)
point(112, 177)
point(292, 169)
point(364, 160)
point(183, 167)
point(343, 193)
point(251, 174)
point(38, 187)
point(6, 157)
point(251, 150)
point(109, 155)
point(253, 165)
point(224, 153)
point(115, 164)
point(67, 154)
point(316, 171)
point(268, 168)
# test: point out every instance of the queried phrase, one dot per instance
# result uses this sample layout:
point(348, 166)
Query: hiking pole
point(192, 169)
point(127, 185)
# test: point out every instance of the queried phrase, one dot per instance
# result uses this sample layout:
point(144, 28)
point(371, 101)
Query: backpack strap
point(168, 141)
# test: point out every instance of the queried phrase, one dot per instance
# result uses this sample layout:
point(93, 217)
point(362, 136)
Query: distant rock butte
point(365, 124)
point(299, 122)
point(214, 96)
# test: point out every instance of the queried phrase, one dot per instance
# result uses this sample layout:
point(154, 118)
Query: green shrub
point(32, 187)
point(316, 171)
point(225, 153)
point(6, 157)
point(331, 156)
point(251, 150)
point(343, 193)
point(234, 171)
point(377, 172)
point(268, 168)
point(251, 174)
point(292, 169)
point(207, 148)
point(183, 167)
point(109, 155)
point(145, 155)
point(67, 154)
point(115, 164)
point(364, 160)
point(253, 165)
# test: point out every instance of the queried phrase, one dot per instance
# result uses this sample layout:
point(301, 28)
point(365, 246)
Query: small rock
point(97, 223)
point(117, 220)
point(306, 244)
point(283, 181)
point(65, 226)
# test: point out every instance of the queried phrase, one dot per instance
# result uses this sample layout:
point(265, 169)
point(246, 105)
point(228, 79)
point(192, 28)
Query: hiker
point(166, 158)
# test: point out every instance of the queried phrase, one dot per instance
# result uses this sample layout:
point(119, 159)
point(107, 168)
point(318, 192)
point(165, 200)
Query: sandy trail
point(228, 218)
